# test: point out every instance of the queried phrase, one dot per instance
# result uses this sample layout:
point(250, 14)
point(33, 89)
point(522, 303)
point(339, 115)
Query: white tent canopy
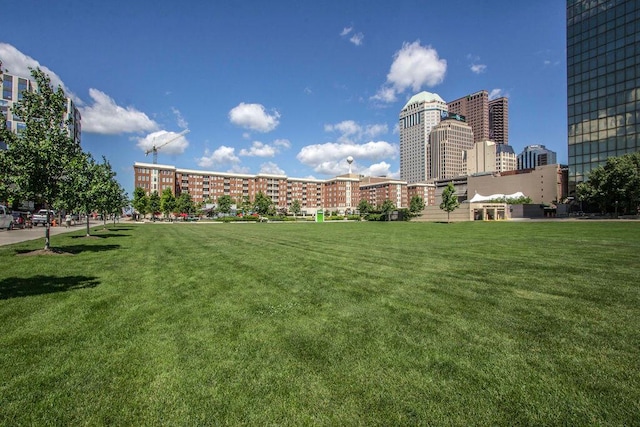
point(478, 198)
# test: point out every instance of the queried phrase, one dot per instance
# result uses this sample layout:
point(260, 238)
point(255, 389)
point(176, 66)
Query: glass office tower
point(603, 83)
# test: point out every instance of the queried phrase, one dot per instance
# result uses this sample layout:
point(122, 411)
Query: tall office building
point(535, 155)
point(475, 108)
point(449, 143)
point(603, 83)
point(419, 115)
point(499, 120)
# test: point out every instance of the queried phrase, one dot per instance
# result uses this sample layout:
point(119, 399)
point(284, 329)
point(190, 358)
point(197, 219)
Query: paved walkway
point(22, 235)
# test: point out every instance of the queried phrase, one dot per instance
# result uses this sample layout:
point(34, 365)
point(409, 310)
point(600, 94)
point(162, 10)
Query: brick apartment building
point(341, 193)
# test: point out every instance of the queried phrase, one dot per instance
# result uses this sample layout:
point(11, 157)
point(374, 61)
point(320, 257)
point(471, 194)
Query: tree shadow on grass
point(69, 250)
point(101, 236)
point(16, 287)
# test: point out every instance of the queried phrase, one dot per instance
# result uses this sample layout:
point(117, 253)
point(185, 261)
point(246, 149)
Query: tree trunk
point(88, 232)
point(47, 231)
point(448, 219)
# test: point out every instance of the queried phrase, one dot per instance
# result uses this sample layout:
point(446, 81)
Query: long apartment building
point(341, 193)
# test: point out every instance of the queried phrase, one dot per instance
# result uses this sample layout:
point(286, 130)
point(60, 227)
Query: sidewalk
point(22, 235)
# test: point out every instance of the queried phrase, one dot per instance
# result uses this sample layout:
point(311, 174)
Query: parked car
point(6, 219)
point(19, 219)
point(40, 217)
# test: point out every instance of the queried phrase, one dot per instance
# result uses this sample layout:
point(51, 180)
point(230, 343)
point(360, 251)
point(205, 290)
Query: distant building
point(506, 159)
point(341, 193)
point(475, 108)
point(417, 118)
point(376, 190)
point(544, 184)
point(427, 191)
point(481, 158)
point(603, 83)
point(13, 88)
point(535, 155)
point(499, 120)
point(449, 143)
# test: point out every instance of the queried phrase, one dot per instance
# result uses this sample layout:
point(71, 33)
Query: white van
point(6, 219)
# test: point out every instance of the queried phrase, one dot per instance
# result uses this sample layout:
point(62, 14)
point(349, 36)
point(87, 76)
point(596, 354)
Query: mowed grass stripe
point(329, 324)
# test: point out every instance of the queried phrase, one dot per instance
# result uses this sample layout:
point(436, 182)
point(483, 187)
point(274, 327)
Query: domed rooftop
point(423, 96)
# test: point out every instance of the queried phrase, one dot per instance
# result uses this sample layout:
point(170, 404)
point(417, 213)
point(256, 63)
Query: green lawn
point(325, 324)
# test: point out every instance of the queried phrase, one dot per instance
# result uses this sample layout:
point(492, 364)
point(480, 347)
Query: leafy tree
point(184, 203)
point(449, 200)
point(39, 158)
point(614, 187)
point(364, 207)
point(522, 200)
point(140, 201)
point(80, 187)
point(167, 202)
point(295, 207)
point(224, 204)
point(154, 204)
point(416, 205)
point(262, 204)
point(109, 195)
point(386, 208)
point(246, 204)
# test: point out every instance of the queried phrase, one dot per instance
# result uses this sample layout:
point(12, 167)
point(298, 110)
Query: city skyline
point(290, 88)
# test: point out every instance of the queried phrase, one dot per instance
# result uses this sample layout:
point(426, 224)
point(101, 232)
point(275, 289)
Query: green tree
point(386, 208)
point(615, 186)
point(184, 203)
point(140, 201)
point(364, 207)
point(40, 156)
point(224, 204)
point(110, 197)
point(416, 205)
point(246, 205)
point(449, 200)
point(154, 204)
point(295, 207)
point(167, 202)
point(262, 204)
point(80, 186)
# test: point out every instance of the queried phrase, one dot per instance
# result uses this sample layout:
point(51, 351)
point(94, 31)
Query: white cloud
point(174, 144)
point(478, 68)
point(346, 30)
point(284, 143)
point(353, 132)
point(254, 117)
point(357, 39)
point(182, 123)
point(221, 156)
point(271, 168)
point(18, 64)
point(498, 93)
point(258, 149)
point(330, 158)
point(106, 117)
point(308, 91)
point(414, 66)
point(377, 169)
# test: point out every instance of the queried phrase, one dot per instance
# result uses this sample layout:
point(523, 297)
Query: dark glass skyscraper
point(603, 83)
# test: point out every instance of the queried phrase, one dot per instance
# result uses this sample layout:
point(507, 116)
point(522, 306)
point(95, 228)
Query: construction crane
point(155, 148)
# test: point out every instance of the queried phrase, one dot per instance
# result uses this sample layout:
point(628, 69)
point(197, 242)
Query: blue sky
point(289, 87)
